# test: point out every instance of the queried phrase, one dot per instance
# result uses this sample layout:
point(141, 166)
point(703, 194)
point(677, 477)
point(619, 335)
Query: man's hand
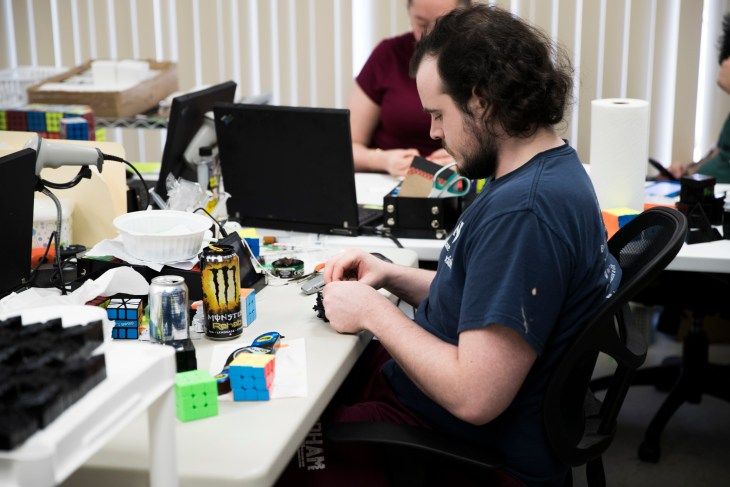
point(357, 265)
point(350, 305)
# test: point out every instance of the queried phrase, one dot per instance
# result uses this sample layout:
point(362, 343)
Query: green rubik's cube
point(53, 121)
point(196, 395)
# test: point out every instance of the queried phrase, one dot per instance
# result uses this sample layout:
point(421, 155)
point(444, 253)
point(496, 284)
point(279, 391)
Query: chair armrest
point(413, 438)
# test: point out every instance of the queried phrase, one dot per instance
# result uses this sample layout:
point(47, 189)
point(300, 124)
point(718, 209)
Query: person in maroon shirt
point(388, 124)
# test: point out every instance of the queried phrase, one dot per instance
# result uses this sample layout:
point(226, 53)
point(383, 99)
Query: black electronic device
point(319, 307)
point(702, 207)
point(17, 171)
point(249, 277)
point(663, 171)
point(186, 117)
point(289, 168)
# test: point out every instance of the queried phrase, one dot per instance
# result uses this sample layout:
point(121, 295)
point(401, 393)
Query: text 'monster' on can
point(221, 292)
point(168, 300)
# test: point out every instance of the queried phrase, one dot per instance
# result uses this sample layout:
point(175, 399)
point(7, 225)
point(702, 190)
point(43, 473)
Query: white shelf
point(140, 377)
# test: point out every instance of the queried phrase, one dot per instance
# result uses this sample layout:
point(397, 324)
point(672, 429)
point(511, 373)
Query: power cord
point(84, 173)
point(57, 239)
point(110, 157)
point(220, 225)
point(34, 271)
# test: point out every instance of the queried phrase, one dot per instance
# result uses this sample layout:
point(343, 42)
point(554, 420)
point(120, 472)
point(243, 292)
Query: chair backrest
point(579, 426)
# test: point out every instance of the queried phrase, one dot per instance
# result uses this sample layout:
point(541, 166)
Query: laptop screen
point(288, 168)
point(17, 170)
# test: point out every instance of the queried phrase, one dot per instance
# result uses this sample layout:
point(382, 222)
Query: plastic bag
point(184, 195)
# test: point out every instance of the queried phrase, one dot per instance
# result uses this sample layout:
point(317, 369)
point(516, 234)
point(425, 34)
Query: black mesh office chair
point(689, 377)
point(579, 426)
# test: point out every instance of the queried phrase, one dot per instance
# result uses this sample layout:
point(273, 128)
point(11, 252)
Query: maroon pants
point(365, 396)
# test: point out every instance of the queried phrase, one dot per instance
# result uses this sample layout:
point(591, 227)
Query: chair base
point(687, 380)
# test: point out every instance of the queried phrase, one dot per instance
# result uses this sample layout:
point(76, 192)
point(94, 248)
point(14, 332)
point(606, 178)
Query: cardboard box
point(132, 101)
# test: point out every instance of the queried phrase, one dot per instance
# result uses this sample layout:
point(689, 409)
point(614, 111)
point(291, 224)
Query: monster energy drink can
point(221, 292)
point(168, 301)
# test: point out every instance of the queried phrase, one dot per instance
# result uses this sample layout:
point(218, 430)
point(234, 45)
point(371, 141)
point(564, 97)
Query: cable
point(59, 222)
point(84, 173)
point(109, 157)
point(220, 226)
point(34, 271)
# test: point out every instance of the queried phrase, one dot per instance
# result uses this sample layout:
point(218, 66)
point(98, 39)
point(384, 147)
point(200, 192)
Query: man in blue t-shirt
point(522, 272)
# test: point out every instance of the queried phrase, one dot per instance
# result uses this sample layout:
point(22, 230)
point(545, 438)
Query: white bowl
point(162, 235)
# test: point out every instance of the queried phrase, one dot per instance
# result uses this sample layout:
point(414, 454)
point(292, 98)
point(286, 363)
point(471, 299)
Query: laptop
point(290, 168)
point(16, 218)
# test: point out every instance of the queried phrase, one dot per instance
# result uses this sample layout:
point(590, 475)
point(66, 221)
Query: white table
point(704, 257)
point(248, 443)
point(140, 378)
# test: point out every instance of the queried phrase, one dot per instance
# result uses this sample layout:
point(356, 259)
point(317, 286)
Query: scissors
point(446, 187)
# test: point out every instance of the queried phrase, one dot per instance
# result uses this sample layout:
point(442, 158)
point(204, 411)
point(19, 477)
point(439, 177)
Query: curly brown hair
point(517, 72)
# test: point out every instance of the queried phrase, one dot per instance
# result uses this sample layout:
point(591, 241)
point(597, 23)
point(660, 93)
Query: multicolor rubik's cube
point(126, 315)
point(251, 376)
point(615, 218)
point(196, 395)
point(248, 305)
point(47, 120)
point(75, 128)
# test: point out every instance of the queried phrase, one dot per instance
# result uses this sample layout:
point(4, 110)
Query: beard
point(479, 160)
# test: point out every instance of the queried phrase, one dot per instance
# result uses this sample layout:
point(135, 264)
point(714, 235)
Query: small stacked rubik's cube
point(126, 314)
point(51, 121)
point(251, 376)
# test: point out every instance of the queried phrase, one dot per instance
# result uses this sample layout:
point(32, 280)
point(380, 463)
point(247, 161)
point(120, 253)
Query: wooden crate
point(132, 101)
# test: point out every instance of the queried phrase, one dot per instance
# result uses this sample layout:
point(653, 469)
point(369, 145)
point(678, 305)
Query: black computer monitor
point(17, 171)
point(288, 168)
point(186, 117)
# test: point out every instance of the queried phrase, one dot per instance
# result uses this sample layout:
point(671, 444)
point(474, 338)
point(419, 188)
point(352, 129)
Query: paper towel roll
point(619, 151)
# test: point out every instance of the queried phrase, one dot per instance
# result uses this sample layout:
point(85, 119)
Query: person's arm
point(364, 116)
point(679, 169)
point(441, 157)
point(475, 381)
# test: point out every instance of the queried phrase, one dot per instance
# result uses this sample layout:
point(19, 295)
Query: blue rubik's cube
point(251, 376)
point(248, 305)
point(75, 128)
point(36, 121)
point(126, 315)
point(126, 330)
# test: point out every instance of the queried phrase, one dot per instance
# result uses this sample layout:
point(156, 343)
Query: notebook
point(289, 168)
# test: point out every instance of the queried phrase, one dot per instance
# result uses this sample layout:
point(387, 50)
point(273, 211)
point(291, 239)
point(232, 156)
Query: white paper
point(115, 248)
point(114, 281)
point(290, 371)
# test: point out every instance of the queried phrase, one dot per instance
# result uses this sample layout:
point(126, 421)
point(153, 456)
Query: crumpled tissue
point(118, 280)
